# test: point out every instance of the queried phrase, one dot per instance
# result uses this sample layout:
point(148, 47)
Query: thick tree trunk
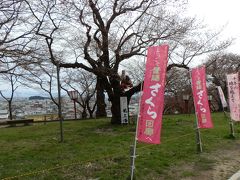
point(116, 113)
point(101, 106)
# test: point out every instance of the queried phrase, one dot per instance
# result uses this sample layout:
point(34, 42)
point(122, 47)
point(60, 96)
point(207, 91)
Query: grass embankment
point(96, 149)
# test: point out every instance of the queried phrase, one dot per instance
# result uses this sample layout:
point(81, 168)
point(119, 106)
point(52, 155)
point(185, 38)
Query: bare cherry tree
point(15, 35)
point(11, 80)
point(217, 66)
point(85, 84)
point(98, 36)
point(41, 76)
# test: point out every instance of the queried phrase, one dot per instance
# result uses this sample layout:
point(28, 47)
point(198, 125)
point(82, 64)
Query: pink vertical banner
point(200, 97)
point(152, 101)
point(222, 97)
point(234, 96)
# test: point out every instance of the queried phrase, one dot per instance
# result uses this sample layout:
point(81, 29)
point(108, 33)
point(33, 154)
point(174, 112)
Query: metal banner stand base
point(132, 156)
point(232, 129)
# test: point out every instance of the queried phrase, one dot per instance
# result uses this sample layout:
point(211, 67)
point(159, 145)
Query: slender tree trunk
point(101, 106)
point(90, 114)
point(90, 110)
point(10, 110)
point(60, 117)
point(59, 94)
point(84, 113)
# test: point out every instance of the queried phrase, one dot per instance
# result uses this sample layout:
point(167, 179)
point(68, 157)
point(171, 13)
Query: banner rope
point(86, 161)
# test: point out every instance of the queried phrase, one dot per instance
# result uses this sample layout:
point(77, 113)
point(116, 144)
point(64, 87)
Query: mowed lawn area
point(95, 149)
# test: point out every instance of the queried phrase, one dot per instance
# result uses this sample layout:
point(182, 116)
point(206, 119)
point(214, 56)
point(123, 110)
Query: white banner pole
point(198, 134)
point(134, 147)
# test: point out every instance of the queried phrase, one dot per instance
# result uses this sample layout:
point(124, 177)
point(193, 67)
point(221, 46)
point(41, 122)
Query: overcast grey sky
point(219, 13)
point(215, 13)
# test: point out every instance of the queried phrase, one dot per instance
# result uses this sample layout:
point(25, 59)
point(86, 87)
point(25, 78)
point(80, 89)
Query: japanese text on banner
point(150, 120)
point(234, 96)
point(200, 97)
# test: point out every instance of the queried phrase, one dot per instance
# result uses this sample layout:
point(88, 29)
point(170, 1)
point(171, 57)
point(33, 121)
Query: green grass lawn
point(95, 149)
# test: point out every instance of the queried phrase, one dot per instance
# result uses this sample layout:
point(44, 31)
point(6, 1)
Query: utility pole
point(59, 102)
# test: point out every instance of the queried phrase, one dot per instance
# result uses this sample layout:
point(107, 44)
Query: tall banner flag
point(234, 96)
point(222, 97)
point(152, 101)
point(200, 97)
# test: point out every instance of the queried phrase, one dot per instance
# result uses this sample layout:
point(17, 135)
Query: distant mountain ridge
point(37, 98)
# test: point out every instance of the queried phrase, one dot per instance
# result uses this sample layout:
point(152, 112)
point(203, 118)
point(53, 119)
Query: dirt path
point(228, 163)
point(220, 165)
